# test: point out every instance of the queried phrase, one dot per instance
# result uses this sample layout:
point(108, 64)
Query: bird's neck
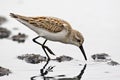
point(70, 37)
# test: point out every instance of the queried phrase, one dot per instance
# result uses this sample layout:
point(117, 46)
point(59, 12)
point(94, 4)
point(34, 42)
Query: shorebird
point(54, 29)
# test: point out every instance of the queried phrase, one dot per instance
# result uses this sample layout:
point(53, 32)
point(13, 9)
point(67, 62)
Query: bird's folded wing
point(51, 24)
point(47, 23)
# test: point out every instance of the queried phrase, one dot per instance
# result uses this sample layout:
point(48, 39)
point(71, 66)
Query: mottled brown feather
point(51, 24)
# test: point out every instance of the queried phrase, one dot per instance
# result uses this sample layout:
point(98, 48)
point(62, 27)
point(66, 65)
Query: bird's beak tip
point(83, 52)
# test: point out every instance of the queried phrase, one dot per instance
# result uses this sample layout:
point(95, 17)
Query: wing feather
point(48, 23)
point(52, 24)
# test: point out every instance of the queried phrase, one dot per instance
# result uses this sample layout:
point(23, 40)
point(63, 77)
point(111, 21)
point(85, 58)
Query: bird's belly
point(59, 36)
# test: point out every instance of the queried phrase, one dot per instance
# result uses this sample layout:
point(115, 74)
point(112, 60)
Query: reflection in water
point(44, 72)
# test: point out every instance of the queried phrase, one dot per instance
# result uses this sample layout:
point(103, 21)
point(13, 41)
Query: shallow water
point(75, 71)
point(54, 70)
point(60, 74)
point(71, 70)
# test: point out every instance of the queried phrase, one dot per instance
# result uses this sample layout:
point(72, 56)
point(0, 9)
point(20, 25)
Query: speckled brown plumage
point(51, 24)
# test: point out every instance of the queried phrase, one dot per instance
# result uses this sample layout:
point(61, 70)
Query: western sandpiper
point(54, 29)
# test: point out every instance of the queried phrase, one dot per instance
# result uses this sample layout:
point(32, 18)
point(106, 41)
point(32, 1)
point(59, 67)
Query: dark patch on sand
point(36, 58)
point(32, 58)
point(2, 20)
point(63, 58)
point(4, 33)
point(103, 57)
point(20, 37)
point(4, 71)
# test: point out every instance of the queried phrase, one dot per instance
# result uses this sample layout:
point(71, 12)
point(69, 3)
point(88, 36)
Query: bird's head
point(78, 39)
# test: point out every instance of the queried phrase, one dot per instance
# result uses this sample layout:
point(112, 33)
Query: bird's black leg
point(49, 50)
point(43, 46)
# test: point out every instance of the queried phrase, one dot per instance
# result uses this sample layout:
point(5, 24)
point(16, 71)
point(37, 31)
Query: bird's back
point(51, 24)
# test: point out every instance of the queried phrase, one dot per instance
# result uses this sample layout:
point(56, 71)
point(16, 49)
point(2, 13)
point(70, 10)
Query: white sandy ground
point(98, 20)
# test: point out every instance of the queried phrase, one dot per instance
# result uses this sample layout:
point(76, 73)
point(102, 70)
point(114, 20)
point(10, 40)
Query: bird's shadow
point(46, 69)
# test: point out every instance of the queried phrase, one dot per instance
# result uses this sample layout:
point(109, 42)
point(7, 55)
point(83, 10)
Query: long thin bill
point(82, 50)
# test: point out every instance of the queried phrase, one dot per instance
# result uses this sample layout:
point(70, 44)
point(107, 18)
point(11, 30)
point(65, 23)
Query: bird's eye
point(78, 40)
